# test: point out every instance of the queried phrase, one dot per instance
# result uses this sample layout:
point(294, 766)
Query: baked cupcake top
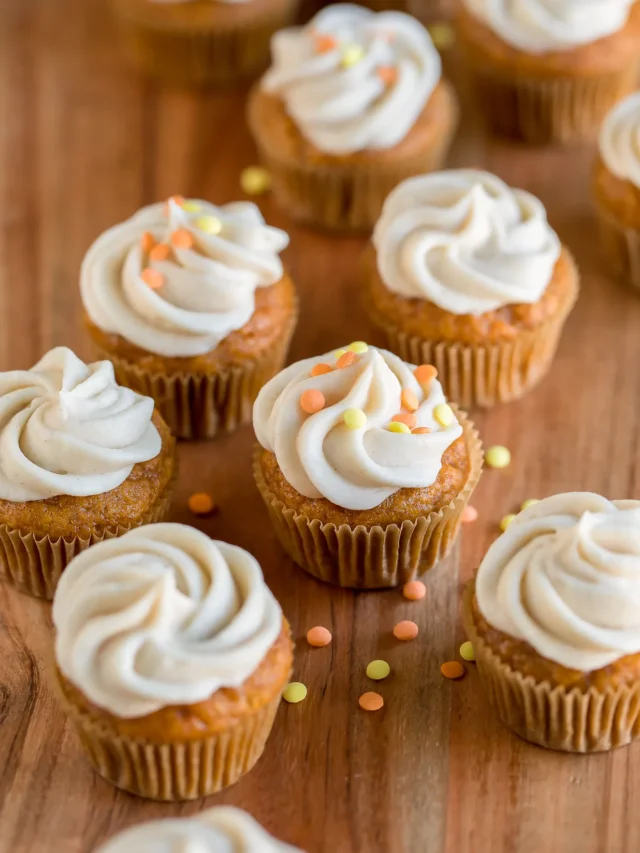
point(161, 616)
point(620, 140)
point(541, 26)
point(177, 278)
point(565, 577)
point(352, 79)
point(355, 426)
point(222, 829)
point(465, 241)
point(68, 428)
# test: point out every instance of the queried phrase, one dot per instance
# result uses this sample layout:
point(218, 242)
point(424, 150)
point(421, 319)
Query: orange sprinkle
point(177, 199)
point(388, 74)
point(321, 368)
point(425, 373)
point(319, 637)
point(160, 252)
point(420, 431)
point(152, 278)
point(452, 669)
point(405, 418)
point(182, 239)
point(469, 514)
point(346, 359)
point(409, 400)
point(371, 701)
point(312, 401)
point(405, 630)
point(414, 590)
point(325, 43)
point(201, 503)
point(147, 241)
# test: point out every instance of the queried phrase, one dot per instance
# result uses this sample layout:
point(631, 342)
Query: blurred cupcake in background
point(426, 11)
point(354, 103)
point(548, 72)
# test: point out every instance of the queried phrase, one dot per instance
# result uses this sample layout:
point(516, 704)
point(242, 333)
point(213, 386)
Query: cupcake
point(191, 304)
point(364, 467)
point(223, 829)
point(172, 655)
point(201, 42)
point(81, 460)
point(617, 189)
point(466, 273)
point(353, 103)
point(549, 72)
point(427, 11)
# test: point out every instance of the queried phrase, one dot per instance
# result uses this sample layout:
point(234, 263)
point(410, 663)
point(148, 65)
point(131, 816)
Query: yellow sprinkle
point(497, 456)
point(396, 426)
point(355, 418)
point(351, 55)
point(443, 413)
point(442, 35)
point(255, 180)
point(338, 353)
point(506, 521)
point(294, 692)
point(466, 651)
point(526, 504)
point(191, 206)
point(378, 669)
point(209, 224)
point(358, 347)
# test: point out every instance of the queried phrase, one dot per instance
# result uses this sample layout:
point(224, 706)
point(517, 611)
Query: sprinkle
point(358, 347)
point(177, 199)
point(378, 669)
point(312, 401)
point(405, 630)
point(352, 55)
point(530, 502)
point(201, 503)
point(321, 368)
point(497, 456)
point(467, 652)
point(398, 426)
point(414, 590)
point(209, 224)
point(420, 431)
point(406, 418)
point(443, 413)
point(346, 359)
point(371, 701)
point(318, 637)
point(425, 373)
point(469, 514)
point(442, 35)
point(191, 206)
point(152, 278)
point(506, 521)
point(355, 418)
point(294, 692)
point(388, 74)
point(147, 241)
point(160, 252)
point(452, 669)
point(409, 399)
point(339, 353)
point(255, 180)
point(182, 239)
point(324, 43)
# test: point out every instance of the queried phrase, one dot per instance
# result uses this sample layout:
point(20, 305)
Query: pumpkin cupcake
point(201, 42)
point(82, 460)
point(466, 273)
point(554, 618)
point(172, 655)
point(191, 304)
point(617, 189)
point(549, 72)
point(353, 103)
point(364, 467)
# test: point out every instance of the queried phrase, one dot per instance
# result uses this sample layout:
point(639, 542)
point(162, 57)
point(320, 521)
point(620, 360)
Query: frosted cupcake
point(81, 460)
point(354, 103)
point(554, 617)
point(617, 189)
point(465, 273)
point(363, 465)
point(191, 304)
point(172, 656)
point(549, 72)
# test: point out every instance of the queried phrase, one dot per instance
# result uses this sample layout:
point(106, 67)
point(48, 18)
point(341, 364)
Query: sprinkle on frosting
point(420, 430)
point(358, 347)
point(409, 399)
point(346, 359)
point(506, 520)
point(152, 278)
point(424, 373)
point(209, 224)
point(355, 418)
point(443, 413)
point(312, 401)
point(398, 426)
point(320, 369)
point(529, 502)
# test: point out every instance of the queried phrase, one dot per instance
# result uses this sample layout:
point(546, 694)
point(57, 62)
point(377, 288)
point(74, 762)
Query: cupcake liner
point(556, 717)
point(622, 248)
point(34, 563)
point(371, 557)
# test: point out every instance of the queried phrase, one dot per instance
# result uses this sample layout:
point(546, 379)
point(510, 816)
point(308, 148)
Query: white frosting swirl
point(565, 577)
point(208, 290)
point(321, 457)
point(339, 107)
point(465, 241)
point(620, 140)
point(540, 26)
point(223, 829)
point(162, 616)
point(67, 428)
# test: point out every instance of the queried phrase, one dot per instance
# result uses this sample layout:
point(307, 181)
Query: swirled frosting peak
point(67, 428)
point(358, 448)
point(620, 140)
point(565, 577)
point(352, 79)
point(162, 616)
point(177, 278)
point(465, 241)
point(541, 26)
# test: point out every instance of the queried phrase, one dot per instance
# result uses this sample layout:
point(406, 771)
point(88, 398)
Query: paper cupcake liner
point(554, 716)
point(622, 248)
point(371, 557)
point(34, 563)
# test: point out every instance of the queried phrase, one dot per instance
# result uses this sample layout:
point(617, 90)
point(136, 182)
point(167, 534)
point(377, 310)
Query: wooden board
point(84, 143)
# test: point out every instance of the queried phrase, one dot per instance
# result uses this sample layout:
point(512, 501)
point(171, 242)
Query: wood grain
point(83, 143)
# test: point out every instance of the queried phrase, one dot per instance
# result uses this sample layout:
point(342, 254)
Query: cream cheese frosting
point(161, 616)
point(541, 26)
point(352, 79)
point(68, 428)
point(466, 241)
point(178, 278)
point(358, 466)
point(565, 577)
point(620, 140)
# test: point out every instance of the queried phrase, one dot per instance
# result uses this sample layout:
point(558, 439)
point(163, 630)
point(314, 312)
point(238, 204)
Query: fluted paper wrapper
point(622, 249)
point(554, 716)
point(372, 557)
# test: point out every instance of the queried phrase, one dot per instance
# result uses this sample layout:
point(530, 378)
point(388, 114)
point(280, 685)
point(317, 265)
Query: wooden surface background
point(83, 144)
